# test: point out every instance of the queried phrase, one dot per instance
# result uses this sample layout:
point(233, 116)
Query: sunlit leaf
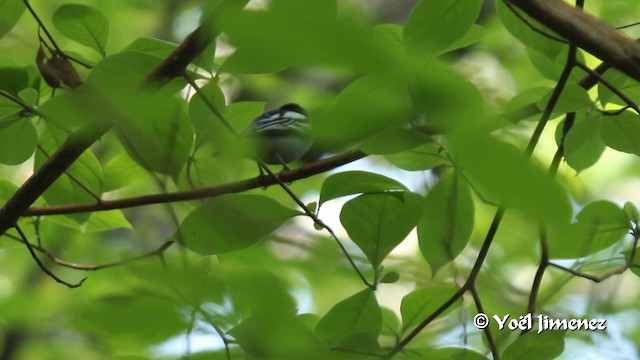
point(10, 13)
point(583, 145)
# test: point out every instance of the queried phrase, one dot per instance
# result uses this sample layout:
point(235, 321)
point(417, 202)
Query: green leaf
point(447, 223)
point(156, 133)
point(621, 132)
point(152, 46)
point(124, 318)
point(599, 225)
point(12, 79)
point(378, 222)
point(278, 336)
point(256, 291)
point(474, 35)
point(394, 140)
point(356, 182)
point(532, 346)
point(443, 354)
point(365, 107)
point(318, 39)
point(107, 220)
point(419, 304)
point(573, 98)
point(201, 116)
point(390, 278)
point(423, 157)
point(525, 34)
point(435, 25)
point(583, 145)
point(520, 106)
point(232, 222)
point(83, 24)
point(359, 313)
point(443, 100)
point(390, 323)
point(631, 210)
point(501, 172)
point(121, 171)
point(359, 342)
point(18, 141)
point(10, 13)
point(87, 170)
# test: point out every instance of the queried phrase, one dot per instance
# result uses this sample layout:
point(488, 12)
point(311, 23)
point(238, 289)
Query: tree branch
point(586, 32)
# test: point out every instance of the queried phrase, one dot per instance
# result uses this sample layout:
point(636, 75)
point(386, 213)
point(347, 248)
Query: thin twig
point(51, 39)
point(487, 330)
point(630, 103)
point(42, 266)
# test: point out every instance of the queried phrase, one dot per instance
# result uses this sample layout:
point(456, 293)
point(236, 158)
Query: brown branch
point(208, 192)
point(80, 140)
point(586, 32)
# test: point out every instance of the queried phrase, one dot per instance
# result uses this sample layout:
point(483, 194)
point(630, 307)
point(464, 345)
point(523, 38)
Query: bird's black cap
point(294, 107)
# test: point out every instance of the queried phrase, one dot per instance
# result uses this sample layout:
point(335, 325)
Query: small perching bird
point(280, 136)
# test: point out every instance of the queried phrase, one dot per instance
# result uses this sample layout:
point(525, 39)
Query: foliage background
point(294, 294)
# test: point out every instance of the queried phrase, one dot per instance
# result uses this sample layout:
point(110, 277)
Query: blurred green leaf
point(599, 225)
point(157, 134)
point(621, 132)
point(512, 179)
point(447, 223)
point(421, 303)
point(435, 25)
point(152, 46)
point(394, 140)
point(359, 313)
point(121, 171)
point(257, 291)
point(583, 145)
point(140, 318)
point(10, 12)
point(18, 141)
point(87, 170)
point(201, 116)
point(390, 278)
point(355, 182)
point(525, 99)
point(278, 336)
point(366, 106)
point(84, 24)
point(378, 222)
point(232, 222)
point(12, 79)
point(423, 157)
point(546, 345)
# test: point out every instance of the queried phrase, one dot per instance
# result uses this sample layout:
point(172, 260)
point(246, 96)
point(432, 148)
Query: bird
point(280, 136)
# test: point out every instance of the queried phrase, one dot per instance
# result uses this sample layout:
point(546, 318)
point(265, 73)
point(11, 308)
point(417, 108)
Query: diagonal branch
point(586, 32)
point(80, 140)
